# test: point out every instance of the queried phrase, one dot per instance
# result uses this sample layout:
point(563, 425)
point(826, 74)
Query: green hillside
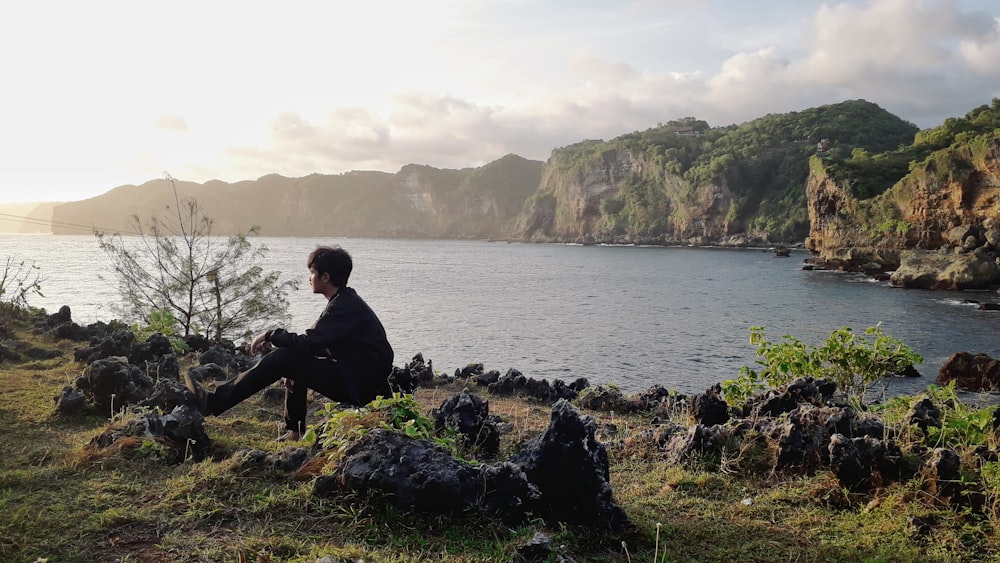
point(683, 170)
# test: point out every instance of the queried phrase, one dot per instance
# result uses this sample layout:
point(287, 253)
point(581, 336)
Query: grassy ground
point(62, 500)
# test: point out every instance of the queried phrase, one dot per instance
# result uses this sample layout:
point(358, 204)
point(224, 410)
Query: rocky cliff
point(942, 216)
point(687, 183)
point(604, 197)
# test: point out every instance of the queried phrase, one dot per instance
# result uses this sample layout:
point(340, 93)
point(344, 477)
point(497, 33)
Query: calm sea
point(632, 316)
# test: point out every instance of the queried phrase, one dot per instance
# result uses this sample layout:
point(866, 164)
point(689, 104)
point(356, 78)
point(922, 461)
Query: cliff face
point(952, 195)
point(418, 201)
point(619, 196)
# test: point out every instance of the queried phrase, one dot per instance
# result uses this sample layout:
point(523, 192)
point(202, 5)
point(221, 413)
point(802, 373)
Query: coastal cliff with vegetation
point(686, 182)
point(934, 202)
point(681, 182)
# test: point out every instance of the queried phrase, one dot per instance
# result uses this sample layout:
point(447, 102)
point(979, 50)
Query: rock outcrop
point(972, 372)
point(936, 228)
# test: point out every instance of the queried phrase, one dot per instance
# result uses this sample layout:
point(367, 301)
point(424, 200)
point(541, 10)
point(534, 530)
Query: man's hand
point(259, 344)
point(287, 383)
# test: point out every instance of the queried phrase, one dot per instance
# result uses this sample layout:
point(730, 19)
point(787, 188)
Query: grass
point(62, 500)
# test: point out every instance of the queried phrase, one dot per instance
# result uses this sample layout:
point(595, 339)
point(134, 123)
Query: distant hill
point(417, 201)
point(26, 217)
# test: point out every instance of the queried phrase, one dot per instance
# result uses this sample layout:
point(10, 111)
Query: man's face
point(318, 281)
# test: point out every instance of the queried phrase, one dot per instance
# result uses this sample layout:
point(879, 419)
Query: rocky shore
point(562, 474)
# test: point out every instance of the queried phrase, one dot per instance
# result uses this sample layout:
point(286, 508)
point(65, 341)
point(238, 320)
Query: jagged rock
point(871, 427)
point(925, 414)
point(957, 235)
point(847, 464)
point(470, 416)
point(864, 464)
point(114, 383)
point(151, 351)
point(167, 394)
point(680, 446)
point(992, 237)
point(469, 371)
point(224, 356)
point(788, 397)
point(209, 372)
point(660, 400)
point(287, 460)
point(117, 344)
point(166, 367)
point(942, 474)
point(408, 378)
point(801, 440)
point(64, 315)
point(792, 449)
point(419, 475)
point(972, 372)
point(70, 401)
point(709, 408)
point(515, 382)
point(507, 492)
point(570, 468)
point(487, 378)
point(933, 270)
point(512, 381)
point(182, 433)
point(197, 342)
point(605, 399)
point(90, 333)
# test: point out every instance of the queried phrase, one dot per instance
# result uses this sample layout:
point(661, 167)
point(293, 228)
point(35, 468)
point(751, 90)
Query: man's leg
point(340, 382)
point(272, 367)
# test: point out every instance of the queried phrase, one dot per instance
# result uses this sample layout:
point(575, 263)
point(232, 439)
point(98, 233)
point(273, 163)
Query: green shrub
point(853, 362)
point(338, 428)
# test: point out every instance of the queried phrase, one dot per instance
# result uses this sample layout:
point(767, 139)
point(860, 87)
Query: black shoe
point(198, 396)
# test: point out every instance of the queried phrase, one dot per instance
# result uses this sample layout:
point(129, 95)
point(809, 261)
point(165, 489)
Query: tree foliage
point(854, 362)
point(19, 279)
point(947, 148)
point(177, 269)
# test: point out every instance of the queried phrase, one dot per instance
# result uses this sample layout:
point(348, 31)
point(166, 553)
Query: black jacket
point(347, 331)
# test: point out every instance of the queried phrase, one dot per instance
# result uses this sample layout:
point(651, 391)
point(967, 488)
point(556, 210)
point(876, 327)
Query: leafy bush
point(161, 321)
point(18, 280)
point(853, 362)
point(401, 413)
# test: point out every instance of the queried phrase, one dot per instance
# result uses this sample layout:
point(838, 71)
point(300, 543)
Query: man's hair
point(331, 260)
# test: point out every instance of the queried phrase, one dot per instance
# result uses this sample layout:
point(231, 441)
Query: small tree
point(18, 280)
point(852, 361)
point(212, 285)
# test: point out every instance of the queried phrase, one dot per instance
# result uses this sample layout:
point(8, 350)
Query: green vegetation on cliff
point(915, 193)
point(949, 149)
point(684, 178)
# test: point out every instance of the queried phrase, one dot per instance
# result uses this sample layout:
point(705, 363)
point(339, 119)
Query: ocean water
point(633, 316)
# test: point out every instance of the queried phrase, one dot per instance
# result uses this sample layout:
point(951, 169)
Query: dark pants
point(333, 379)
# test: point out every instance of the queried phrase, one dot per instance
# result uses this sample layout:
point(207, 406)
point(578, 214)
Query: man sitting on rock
point(345, 355)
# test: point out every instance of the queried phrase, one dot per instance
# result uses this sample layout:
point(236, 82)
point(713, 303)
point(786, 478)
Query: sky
point(105, 93)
